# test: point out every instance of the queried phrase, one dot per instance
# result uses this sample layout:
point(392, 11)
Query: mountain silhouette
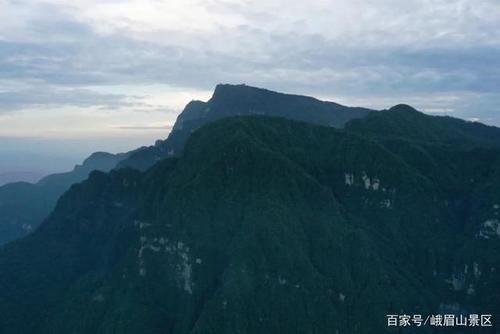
point(26, 205)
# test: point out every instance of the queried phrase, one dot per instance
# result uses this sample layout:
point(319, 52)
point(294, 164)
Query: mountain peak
point(240, 91)
point(98, 156)
point(220, 88)
point(403, 107)
point(229, 100)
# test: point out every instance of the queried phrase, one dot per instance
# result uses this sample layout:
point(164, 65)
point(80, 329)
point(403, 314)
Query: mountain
point(23, 205)
point(237, 100)
point(19, 216)
point(101, 161)
point(11, 177)
point(404, 122)
point(266, 225)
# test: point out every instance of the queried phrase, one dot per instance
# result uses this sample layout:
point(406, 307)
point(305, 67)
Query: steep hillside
point(264, 225)
point(23, 206)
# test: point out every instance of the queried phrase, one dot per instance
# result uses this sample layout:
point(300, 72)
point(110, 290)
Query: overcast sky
point(115, 74)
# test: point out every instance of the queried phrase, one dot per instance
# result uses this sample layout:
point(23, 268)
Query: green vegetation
point(23, 206)
point(265, 225)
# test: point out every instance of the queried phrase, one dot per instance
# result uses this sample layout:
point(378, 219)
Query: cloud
point(381, 50)
point(297, 62)
point(144, 127)
point(50, 97)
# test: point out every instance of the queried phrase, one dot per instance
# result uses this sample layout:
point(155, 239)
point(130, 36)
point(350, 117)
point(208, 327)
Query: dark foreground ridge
point(265, 225)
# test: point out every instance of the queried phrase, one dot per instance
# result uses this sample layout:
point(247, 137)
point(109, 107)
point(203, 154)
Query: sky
point(112, 75)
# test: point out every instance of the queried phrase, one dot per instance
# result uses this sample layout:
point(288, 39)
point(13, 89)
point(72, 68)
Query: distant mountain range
point(261, 224)
point(10, 177)
point(23, 205)
point(19, 216)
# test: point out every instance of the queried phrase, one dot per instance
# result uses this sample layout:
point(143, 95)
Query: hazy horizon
point(113, 75)
point(29, 159)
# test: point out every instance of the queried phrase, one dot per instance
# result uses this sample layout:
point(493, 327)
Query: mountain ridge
point(399, 122)
point(233, 100)
point(19, 218)
point(264, 225)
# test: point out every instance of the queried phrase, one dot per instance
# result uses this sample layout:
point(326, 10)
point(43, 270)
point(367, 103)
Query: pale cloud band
point(441, 55)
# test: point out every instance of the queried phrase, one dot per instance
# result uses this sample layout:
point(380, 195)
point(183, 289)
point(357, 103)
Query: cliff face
point(264, 225)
